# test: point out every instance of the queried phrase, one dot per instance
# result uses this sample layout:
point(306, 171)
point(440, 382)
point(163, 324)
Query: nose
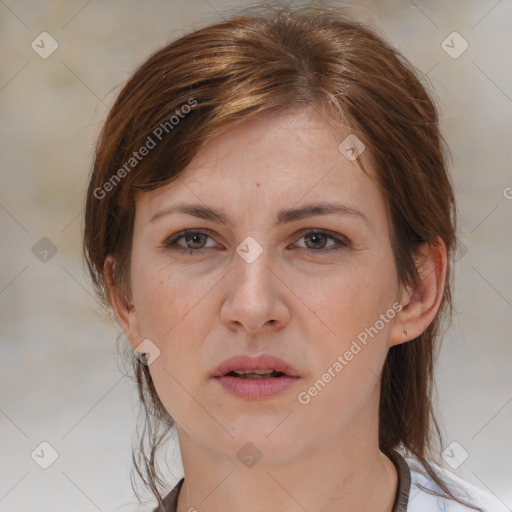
point(255, 296)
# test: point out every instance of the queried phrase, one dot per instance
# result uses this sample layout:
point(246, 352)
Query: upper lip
point(248, 363)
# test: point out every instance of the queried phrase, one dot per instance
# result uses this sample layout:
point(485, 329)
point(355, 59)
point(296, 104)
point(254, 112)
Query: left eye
point(194, 241)
point(320, 237)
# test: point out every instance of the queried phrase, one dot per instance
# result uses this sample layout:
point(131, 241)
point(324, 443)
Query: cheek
point(346, 307)
point(163, 294)
point(175, 311)
point(352, 346)
point(172, 315)
point(352, 298)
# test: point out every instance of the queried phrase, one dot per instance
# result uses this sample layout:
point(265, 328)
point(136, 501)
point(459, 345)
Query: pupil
point(314, 236)
point(193, 236)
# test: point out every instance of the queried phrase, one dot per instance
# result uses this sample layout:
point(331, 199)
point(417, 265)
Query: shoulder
point(420, 500)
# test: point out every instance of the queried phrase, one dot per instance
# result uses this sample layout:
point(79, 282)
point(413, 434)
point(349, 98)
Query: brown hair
point(268, 60)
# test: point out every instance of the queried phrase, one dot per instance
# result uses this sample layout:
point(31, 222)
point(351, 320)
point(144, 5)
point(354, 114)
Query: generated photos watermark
point(152, 141)
point(304, 397)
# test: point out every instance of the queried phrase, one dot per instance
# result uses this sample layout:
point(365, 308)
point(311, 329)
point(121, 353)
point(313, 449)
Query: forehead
point(278, 142)
point(269, 163)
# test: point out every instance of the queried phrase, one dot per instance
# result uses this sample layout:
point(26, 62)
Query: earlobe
point(123, 308)
point(421, 304)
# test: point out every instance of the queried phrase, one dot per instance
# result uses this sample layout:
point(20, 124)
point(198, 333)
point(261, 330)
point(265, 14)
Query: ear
point(421, 304)
point(124, 310)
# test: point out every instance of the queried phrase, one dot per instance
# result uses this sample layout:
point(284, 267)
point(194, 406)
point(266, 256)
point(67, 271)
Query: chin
point(270, 431)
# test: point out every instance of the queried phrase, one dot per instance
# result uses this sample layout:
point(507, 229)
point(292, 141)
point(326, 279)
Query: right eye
point(192, 239)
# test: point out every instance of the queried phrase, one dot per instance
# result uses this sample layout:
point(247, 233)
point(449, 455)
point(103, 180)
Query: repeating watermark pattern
point(249, 455)
point(454, 455)
point(44, 455)
point(147, 352)
point(352, 147)
point(44, 250)
point(44, 45)
point(454, 45)
point(304, 397)
point(137, 156)
point(460, 250)
point(249, 249)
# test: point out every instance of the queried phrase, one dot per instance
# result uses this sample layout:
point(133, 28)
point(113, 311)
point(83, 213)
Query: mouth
point(255, 378)
point(256, 384)
point(255, 374)
point(264, 366)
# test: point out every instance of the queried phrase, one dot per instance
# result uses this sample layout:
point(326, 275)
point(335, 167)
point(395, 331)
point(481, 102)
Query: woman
point(271, 219)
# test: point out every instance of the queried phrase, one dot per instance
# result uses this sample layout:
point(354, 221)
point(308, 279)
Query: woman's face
point(260, 282)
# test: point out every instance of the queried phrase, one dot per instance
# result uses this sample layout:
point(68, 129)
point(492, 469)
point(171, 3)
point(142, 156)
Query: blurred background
point(67, 412)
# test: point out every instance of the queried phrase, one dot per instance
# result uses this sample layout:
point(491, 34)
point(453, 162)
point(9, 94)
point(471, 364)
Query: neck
point(346, 473)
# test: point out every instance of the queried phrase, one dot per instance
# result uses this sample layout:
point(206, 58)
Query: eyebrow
point(284, 216)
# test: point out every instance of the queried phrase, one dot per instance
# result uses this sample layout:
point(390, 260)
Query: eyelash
point(171, 243)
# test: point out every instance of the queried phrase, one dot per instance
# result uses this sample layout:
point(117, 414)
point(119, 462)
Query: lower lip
point(256, 389)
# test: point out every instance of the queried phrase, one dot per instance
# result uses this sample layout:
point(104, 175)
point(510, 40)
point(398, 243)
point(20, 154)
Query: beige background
point(60, 379)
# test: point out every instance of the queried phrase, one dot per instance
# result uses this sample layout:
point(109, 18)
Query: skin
point(297, 300)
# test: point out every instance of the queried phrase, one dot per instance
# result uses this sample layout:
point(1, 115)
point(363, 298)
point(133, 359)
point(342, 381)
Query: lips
point(248, 364)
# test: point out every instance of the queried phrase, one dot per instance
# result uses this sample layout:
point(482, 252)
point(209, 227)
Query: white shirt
point(422, 501)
